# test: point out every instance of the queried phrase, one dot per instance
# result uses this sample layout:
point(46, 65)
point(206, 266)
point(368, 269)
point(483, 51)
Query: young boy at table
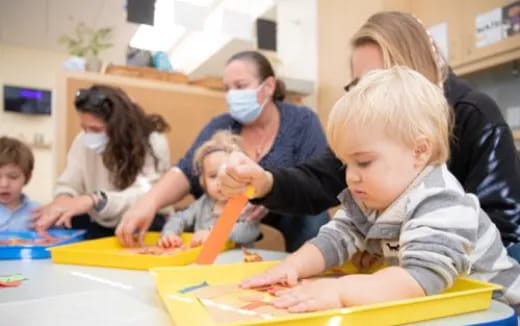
point(200, 216)
point(402, 204)
point(16, 165)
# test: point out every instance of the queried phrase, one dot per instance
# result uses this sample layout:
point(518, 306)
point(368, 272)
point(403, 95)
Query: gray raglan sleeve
point(436, 240)
point(245, 232)
point(338, 240)
point(179, 221)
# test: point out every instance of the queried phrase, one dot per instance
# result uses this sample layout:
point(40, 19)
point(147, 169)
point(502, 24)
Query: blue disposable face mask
point(243, 105)
point(95, 141)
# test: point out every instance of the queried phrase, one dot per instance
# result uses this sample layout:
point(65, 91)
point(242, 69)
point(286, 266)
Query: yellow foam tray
point(108, 252)
point(464, 296)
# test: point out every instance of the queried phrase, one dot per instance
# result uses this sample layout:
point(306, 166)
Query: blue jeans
point(514, 251)
point(297, 229)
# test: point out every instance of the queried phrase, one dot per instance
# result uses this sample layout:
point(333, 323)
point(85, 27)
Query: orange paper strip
point(222, 229)
point(254, 305)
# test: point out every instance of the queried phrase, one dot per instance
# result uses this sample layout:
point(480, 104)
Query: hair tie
point(198, 165)
point(439, 59)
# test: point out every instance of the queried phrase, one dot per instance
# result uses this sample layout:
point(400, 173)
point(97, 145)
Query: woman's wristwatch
point(100, 200)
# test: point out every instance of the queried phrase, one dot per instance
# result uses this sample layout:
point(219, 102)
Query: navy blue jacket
point(300, 137)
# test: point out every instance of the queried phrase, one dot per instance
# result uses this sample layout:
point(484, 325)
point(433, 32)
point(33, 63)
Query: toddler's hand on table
point(315, 295)
point(282, 273)
point(170, 241)
point(199, 237)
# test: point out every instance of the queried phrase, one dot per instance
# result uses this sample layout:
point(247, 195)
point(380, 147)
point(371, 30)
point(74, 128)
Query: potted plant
point(86, 44)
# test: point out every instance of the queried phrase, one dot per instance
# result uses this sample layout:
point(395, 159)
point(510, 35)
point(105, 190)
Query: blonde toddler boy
point(402, 204)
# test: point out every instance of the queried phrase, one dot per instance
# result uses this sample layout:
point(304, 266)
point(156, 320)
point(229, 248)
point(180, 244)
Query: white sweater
point(86, 173)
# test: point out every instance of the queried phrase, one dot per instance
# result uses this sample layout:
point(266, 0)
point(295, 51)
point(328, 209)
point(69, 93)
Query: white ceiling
point(40, 23)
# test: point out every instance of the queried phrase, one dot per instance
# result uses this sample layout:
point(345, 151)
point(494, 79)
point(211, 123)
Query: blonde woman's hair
point(221, 141)
point(403, 41)
point(400, 101)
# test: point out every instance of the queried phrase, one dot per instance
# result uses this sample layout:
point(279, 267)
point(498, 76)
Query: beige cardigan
point(85, 173)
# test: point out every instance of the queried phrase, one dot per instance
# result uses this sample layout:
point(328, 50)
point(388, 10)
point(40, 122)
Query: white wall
point(297, 42)
point(31, 68)
point(297, 39)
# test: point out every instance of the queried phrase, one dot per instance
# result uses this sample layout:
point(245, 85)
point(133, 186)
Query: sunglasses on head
point(350, 85)
point(92, 100)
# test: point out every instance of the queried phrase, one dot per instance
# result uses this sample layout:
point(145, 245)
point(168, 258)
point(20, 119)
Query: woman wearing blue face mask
point(274, 134)
point(116, 158)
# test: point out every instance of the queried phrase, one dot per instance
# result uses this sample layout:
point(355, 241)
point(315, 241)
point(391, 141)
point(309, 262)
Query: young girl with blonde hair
point(200, 216)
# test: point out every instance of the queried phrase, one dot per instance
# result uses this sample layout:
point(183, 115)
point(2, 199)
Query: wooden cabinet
point(516, 137)
point(460, 15)
point(479, 58)
point(338, 20)
point(444, 11)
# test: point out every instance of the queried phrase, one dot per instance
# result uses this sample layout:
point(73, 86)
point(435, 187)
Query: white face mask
point(95, 141)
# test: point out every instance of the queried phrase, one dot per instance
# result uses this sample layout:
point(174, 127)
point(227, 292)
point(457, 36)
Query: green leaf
point(86, 40)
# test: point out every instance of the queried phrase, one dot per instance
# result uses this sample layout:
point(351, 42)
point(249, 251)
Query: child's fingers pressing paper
point(163, 243)
point(289, 299)
point(255, 281)
point(291, 278)
point(307, 305)
point(195, 242)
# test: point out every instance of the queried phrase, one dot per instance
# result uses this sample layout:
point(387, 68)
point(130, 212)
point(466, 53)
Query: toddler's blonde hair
point(222, 140)
point(400, 100)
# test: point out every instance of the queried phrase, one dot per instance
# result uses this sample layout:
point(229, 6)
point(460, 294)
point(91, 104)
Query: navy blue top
point(300, 136)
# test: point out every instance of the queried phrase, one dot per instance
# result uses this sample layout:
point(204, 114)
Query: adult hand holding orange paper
point(222, 229)
point(241, 172)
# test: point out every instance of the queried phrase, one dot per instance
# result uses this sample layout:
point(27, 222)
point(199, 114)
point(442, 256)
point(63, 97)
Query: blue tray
point(35, 251)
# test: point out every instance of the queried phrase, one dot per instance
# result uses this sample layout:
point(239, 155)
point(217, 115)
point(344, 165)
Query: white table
point(73, 295)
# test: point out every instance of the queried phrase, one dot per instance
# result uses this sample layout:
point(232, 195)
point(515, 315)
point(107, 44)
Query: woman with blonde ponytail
point(483, 156)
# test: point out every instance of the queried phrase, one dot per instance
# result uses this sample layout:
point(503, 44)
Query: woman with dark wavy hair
point(117, 157)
